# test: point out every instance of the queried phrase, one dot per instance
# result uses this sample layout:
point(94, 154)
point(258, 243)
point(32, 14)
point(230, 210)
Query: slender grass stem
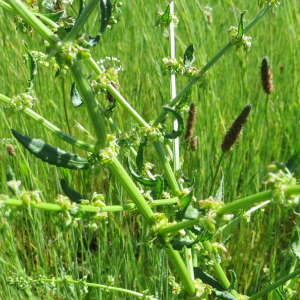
point(81, 21)
point(96, 285)
point(209, 65)
point(33, 21)
point(274, 285)
point(52, 128)
point(216, 173)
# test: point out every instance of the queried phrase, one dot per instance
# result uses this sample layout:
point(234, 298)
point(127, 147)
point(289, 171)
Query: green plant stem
point(176, 227)
point(119, 98)
point(81, 21)
point(181, 269)
point(218, 269)
point(123, 178)
point(49, 126)
point(157, 145)
point(167, 168)
point(274, 285)
point(86, 93)
point(259, 197)
point(96, 285)
point(209, 65)
point(33, 21)
point(85, 208)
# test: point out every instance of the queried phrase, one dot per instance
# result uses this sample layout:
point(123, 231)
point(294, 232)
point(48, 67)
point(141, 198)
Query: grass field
point(34, 242)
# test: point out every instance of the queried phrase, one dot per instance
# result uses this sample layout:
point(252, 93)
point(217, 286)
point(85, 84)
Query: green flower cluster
point(244, 41)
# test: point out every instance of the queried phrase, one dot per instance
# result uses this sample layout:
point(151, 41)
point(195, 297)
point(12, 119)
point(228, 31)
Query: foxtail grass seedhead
point(235, 129)
point(11, 150)
point(194, 143)
point(191, 121)
point(266, 76)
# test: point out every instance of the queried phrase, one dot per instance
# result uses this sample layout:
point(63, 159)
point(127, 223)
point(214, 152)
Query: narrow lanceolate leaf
point(81, 7)
point(224, 295)
point(189, 57)
point(55, 17)
point(176, 114)
point(279, 294)
point(49, 154)
point(166, 15)
point(241, 27)
point(295, 243)
point(75, 97)
point(184, 99)
point(159, 187)
point(71, 193)
point(10, 175)
point(106, 9)
point(207, 279)
point(140, 179)
point(32, 66)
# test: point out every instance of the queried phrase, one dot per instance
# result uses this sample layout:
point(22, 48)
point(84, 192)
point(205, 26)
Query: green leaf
point(75, 97)
point(191, 213)
point(176, 114)
point(189, 57)
point(55, 17)
point(140, 179)
point(295, 243)
point(10, 175)
point(241, 27)
point(207, 279)
point(51, 155)
point(33, 67)
point(166, 15)
point(72, 194)
point(227, 239)
point(294, 160)
point(184, 99)
point(81, 8)
point(159, 187)
point(179, 243)
point(224, 295)
point(233, 283)
point(106, 9)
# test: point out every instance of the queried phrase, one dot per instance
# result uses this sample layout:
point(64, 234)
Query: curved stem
point(209, 65)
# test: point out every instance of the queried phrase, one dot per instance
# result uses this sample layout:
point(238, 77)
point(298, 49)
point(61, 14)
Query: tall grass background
point(34, 242)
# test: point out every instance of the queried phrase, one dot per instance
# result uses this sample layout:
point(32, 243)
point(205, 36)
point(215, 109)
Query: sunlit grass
point(36, 242)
